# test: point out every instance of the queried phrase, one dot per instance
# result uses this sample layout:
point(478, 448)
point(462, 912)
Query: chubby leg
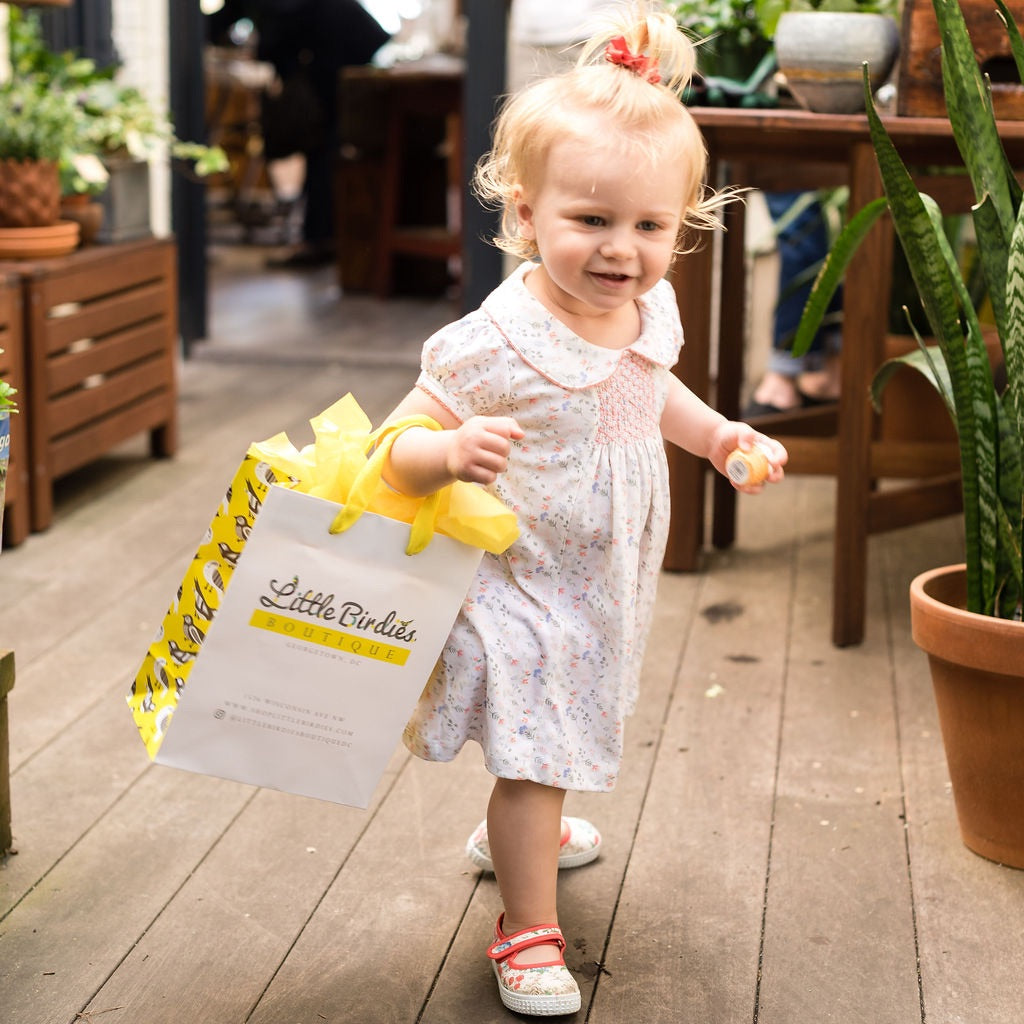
point(524, 827)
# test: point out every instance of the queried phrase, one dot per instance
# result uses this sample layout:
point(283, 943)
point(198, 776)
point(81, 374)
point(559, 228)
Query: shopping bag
point(304, 630)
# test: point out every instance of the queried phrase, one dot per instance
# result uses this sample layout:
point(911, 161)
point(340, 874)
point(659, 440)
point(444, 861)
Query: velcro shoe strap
point(510, 944)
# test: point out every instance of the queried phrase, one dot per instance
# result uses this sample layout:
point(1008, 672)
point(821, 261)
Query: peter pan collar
point(566, 359)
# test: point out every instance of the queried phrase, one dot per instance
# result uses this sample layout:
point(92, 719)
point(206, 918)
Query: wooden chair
point(412, 96)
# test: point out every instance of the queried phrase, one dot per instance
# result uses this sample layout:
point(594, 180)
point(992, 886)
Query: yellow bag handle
point(368, 479)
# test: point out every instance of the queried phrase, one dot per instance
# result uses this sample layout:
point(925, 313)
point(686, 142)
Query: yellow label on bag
point(335, 639)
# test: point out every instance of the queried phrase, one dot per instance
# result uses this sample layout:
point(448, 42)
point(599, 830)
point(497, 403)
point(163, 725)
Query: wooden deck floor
point(781, 848)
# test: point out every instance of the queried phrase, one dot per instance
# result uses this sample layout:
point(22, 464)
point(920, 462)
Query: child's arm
point(692, 424)
point(423, 461)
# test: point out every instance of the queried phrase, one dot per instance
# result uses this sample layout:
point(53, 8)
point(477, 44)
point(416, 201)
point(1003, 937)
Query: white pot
point(821, 53)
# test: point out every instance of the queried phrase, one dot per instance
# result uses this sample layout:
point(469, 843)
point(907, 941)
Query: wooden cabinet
point(101, 341)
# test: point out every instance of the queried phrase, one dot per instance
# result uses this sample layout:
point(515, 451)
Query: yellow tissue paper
point(329, 466)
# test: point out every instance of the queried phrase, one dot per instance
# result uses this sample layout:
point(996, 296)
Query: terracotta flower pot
point(29, 193)
point(86, 212)
point(977, 665)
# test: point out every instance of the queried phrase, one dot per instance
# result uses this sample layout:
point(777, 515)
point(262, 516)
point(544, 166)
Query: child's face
point(605, 218)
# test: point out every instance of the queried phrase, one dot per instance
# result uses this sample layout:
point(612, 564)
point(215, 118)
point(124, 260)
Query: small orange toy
point(747, 467)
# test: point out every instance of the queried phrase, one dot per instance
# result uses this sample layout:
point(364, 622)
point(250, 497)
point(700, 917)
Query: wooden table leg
point(865, 321)
point(732, 316)
point(691, 278)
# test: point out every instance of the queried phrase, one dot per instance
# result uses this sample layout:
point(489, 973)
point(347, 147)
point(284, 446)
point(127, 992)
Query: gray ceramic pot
point(821, 53)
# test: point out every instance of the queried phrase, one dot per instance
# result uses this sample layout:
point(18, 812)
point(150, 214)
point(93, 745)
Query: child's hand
point(732, 435)
point(480, 448)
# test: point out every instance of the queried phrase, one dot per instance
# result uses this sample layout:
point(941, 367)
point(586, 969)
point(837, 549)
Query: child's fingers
point(483, 448)
point(505, 426)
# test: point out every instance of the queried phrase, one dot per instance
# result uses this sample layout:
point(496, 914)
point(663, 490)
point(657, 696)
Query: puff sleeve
point(464, 366)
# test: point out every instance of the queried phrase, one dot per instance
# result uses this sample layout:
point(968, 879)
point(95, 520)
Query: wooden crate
point(919, 76)
point(12, 370)
point(102, 339)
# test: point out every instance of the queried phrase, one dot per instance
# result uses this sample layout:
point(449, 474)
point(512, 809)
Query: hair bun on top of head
point(618, 52)
point(645, 41)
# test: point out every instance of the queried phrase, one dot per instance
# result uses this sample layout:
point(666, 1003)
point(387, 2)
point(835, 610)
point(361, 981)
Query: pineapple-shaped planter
point(29, 193)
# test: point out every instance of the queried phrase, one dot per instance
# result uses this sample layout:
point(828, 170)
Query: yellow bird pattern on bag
point(168, 662)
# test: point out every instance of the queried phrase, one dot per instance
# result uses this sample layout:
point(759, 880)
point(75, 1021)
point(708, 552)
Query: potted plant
point(968, 617)
point(112, 123)
point(36, 129)
point(820, 46)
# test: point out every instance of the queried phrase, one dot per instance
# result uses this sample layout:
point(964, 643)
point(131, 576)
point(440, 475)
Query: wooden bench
point(101, 337)
point(12, 370)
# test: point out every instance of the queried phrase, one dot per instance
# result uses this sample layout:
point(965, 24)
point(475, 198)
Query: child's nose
point(618, 245)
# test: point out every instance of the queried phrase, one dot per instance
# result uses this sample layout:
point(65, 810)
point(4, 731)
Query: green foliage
point(35, 123)
point(989, 418)
point(707, 20)
point(77, 109)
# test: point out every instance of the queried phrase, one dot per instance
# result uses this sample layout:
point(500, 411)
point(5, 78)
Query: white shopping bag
point(305, 629)
point(319, 651)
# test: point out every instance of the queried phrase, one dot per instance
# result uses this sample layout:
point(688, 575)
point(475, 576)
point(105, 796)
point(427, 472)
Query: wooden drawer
point(101, 337)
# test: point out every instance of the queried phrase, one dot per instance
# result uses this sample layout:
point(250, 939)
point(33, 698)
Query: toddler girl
point(557, 395)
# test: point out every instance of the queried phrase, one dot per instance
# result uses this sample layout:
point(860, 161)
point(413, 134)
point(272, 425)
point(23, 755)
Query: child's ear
point(524, 212)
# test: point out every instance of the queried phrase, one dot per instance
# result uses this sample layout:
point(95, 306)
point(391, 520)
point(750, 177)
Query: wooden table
point(797, 149)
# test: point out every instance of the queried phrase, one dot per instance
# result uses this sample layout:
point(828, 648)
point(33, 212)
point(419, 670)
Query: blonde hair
point(651, 113)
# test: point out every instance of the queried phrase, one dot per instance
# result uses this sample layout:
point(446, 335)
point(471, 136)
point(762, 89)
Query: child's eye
point(592, 220)
point(649, 225)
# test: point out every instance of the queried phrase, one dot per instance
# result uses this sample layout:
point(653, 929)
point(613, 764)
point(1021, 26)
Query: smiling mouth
point(608, 276)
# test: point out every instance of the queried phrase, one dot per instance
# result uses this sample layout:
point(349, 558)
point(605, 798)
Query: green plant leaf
point(1012, 337)
point(969, 103)
point(924, 361)
point(1016, 43)
point(918, 223)
point(831, 274)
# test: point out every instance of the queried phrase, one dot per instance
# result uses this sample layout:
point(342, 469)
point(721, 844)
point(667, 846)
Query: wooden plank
point(685, 940)
point(372, 949)
point(108, 356)
point(83, 917)
point(838, 904)
point(255, 890)
point(98, 270)
point(70, 784)
point(588, 896)
point(967, 909)
point(107, 315)
point(75, 410)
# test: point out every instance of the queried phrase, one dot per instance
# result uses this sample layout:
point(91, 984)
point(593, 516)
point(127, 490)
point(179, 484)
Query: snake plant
point(989, 416)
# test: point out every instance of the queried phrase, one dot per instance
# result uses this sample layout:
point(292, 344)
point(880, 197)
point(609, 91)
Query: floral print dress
point(543, 663)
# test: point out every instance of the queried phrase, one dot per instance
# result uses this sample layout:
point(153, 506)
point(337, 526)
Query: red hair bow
point(617, 52)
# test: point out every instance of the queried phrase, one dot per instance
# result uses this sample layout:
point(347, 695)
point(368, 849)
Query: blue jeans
point(802, 245)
